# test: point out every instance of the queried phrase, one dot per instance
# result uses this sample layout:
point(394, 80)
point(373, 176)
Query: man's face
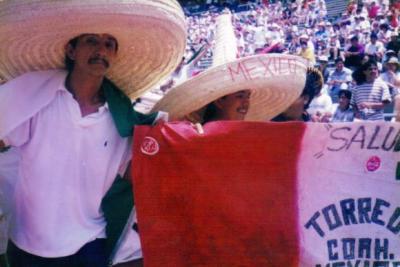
point(354, 42)
point(344, 102)
point(392, 66)
point(234, 106)
point(93, 53)
point(371, 73)
point(339, 66)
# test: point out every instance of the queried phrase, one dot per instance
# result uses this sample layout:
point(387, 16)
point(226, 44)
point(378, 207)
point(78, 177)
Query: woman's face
point(234, 106)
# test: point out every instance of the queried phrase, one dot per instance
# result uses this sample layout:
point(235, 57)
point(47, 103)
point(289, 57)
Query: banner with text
point(268, 194)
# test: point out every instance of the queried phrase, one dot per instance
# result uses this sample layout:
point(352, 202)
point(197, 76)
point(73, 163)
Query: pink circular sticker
point(149, 146)
point(373, 163)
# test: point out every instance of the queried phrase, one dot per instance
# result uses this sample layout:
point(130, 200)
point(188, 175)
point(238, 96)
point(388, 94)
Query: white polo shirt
point(67, 165)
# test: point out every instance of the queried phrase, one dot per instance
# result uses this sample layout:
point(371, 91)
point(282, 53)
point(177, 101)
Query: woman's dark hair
point(358, 75)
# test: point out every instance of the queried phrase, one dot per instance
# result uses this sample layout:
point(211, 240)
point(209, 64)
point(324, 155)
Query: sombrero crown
point(151, 36)
point(275, 80)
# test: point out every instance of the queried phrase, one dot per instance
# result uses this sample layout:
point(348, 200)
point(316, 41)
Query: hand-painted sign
point(269, 194)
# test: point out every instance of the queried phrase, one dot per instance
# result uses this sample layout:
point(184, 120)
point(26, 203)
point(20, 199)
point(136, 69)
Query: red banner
point(223, 198)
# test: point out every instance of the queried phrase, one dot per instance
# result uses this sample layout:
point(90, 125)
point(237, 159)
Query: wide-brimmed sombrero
point(275, 80)
point(151, 36)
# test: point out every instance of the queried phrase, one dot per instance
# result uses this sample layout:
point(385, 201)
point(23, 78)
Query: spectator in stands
point(339, 79)
point(371, 94)
point(323, 67)
point(321, 47)
point(306, 50)
point(321, 31)
point(365, 37)
point(184, 70)
point(351, 7)
point(354, 54)
point(320, 107)
point(373, 10)
point(375, 49)
point(334, 47)
point(297, 111)
point(365, 25)
point(392, 76)
point(375, 27)
point(393, 19)
point(394, 43)
point(343, 112)
point(384, 33)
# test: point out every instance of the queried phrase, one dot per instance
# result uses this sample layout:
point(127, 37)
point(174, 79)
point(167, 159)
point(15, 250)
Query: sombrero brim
point(276, 81)
point(151, 37)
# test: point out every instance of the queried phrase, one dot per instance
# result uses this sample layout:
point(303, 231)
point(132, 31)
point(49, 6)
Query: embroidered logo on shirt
point(373, 163)
point(149, 146)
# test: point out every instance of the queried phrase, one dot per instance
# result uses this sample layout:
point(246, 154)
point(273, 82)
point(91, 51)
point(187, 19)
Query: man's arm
point(373, 105)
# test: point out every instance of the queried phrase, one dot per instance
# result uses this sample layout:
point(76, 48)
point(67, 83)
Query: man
point(338, 79)
point(394, 43)
point(323, 67)
point(392, 78)
point(343, 112)
point(375, 49)
point(354, 53)
point(371, 94)
point(73, 128)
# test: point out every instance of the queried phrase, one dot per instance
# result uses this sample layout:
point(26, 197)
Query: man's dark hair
point(358, 75)
point(374, 35)
point(354, 38)
point(346, 93)
point(69, 63)
point(339, 59)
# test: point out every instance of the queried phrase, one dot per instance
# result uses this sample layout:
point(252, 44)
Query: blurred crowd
point(366, 31)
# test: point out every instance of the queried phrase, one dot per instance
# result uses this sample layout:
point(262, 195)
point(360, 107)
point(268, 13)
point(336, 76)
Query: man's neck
point(86, 91)
point(84, 88)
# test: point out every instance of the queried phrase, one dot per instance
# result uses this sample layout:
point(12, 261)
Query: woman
point(230, 107)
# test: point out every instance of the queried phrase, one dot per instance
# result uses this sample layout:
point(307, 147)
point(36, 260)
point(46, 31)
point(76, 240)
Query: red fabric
point(224, 198)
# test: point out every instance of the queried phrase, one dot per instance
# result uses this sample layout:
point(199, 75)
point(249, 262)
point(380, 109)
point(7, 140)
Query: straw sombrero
point(151, 36)
point(275, 80)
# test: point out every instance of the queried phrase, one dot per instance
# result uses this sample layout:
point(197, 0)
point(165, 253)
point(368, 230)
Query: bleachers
point(335, 8)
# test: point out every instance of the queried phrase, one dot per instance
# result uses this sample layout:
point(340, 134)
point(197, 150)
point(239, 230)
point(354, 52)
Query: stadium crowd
point(85, 184)
point(366, 31)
